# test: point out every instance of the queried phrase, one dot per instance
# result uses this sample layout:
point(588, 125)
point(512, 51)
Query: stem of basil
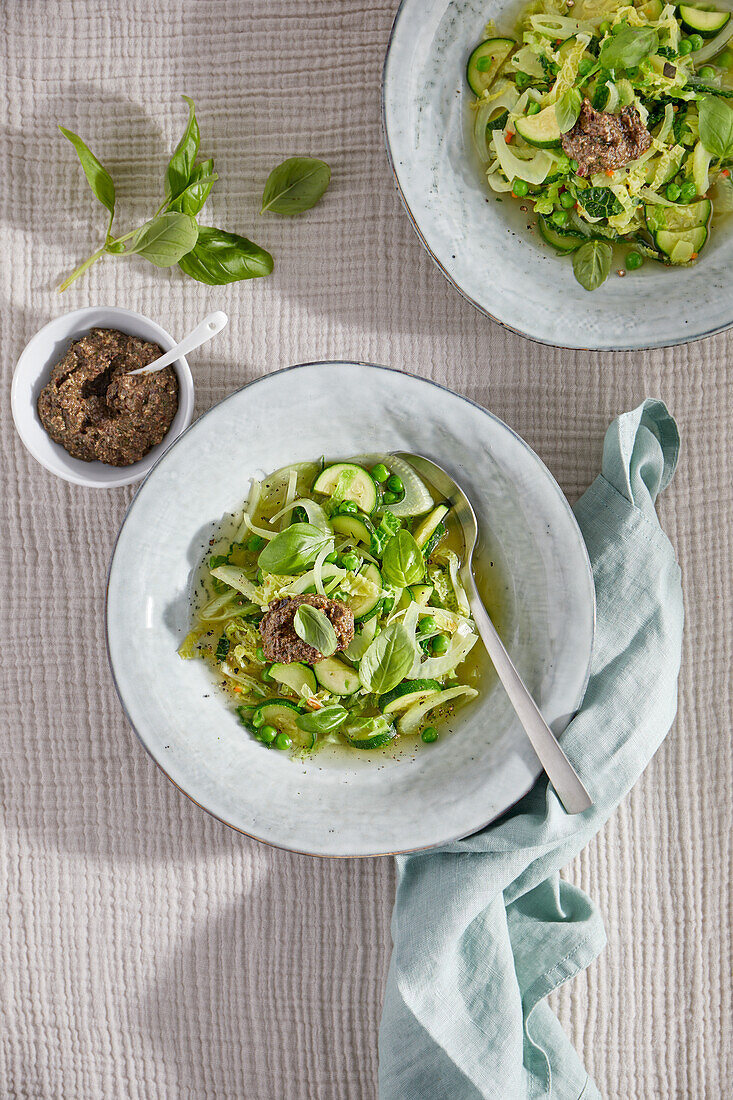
point(82, 268)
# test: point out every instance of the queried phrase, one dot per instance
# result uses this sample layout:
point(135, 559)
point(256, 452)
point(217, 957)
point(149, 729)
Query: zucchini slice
point(407, 693)
point(283, 716)
point(676, 218)
point(704, 23)
point(564, 240)
point(296, 676)
point(336, 677)
point(359, 740)
point(363, 606)
point(360, 488)
point(682, 246)
point(486, 61)
point(423, 533)
point(353, 527)
point(540, 130)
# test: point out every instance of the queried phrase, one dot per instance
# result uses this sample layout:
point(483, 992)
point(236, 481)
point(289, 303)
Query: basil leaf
point(166, 239)
point(294, 549)
point(193, 197)
point(325, 720)
point(387, 660)
point(567, 109)
point(178, 172)
point(97, 175)
point(218, 258)
point(599, 202)
point(403, 562)
point(316, 629)
point(592, 263)
point(628, 48)
point(716, 126)
point(295, 185)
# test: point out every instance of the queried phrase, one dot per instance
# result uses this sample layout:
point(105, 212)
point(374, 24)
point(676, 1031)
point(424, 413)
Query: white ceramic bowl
point(484, 247)
point(32, 373)
point(346, 805)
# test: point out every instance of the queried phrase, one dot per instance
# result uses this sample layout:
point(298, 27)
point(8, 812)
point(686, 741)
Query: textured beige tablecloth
point(145, 950)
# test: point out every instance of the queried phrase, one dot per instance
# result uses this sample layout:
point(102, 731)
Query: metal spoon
point(207, 328)
point(560, 771)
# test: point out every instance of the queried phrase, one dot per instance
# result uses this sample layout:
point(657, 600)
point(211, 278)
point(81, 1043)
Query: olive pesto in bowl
point(333, 612)
point(80, 413)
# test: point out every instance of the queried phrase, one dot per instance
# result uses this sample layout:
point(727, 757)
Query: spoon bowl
point(562, 775)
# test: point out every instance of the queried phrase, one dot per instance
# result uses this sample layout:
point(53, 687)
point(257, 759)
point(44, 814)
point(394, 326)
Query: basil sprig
point(172, 235)
point(403, 562)
point(295, 186)
point(316, 629)
point(592, 263)
point(387, 660)
point(294, 549)
point(325, 720)
point(716, 126)
point(628, 48)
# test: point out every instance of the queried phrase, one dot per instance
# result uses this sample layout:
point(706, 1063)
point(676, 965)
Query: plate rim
point(588, 575)
point(620, 348)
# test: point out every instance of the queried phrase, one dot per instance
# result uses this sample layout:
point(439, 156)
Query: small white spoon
point(209, 327)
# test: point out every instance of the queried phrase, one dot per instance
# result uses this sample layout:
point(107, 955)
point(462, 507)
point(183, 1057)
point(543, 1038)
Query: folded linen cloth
point(484, 928)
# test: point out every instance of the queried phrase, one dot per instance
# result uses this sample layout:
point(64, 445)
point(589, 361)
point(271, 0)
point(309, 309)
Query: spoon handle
point(209, 327)
point(560, 771)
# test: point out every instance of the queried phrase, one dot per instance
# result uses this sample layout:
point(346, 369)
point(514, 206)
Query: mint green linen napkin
point(485, 928)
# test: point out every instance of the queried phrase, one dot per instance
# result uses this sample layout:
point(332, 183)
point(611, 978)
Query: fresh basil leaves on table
point(315, 628)
point(592, 263)
point(387, 660)
point(173, 236)
point(294, 549)
point(295, 186)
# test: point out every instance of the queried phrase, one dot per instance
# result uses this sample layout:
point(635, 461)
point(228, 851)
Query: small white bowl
point(33, 371)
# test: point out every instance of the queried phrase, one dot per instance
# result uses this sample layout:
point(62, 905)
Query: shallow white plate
point(348, 805)
point(484, 247)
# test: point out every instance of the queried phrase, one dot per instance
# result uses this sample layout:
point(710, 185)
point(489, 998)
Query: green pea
point(533, 108)
point(391, 498)
point(282, 741)
point(634, 260)
point(380, 473)
point(332, 558)
point(560, 217)
point(439, 644)
point(350, 561)
point(688, 191)
point(672, 192)
point(567, 201)
point(695, 41)
point(428, 625)
point(348, 508)
point(520, 188)
point(257, 720)
point(256, 542)
point(260, 653)
point(394, 484)
point(267, 734)
point(429, 734)
point(585, 65)
point(684, 47)
point(707, 72)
